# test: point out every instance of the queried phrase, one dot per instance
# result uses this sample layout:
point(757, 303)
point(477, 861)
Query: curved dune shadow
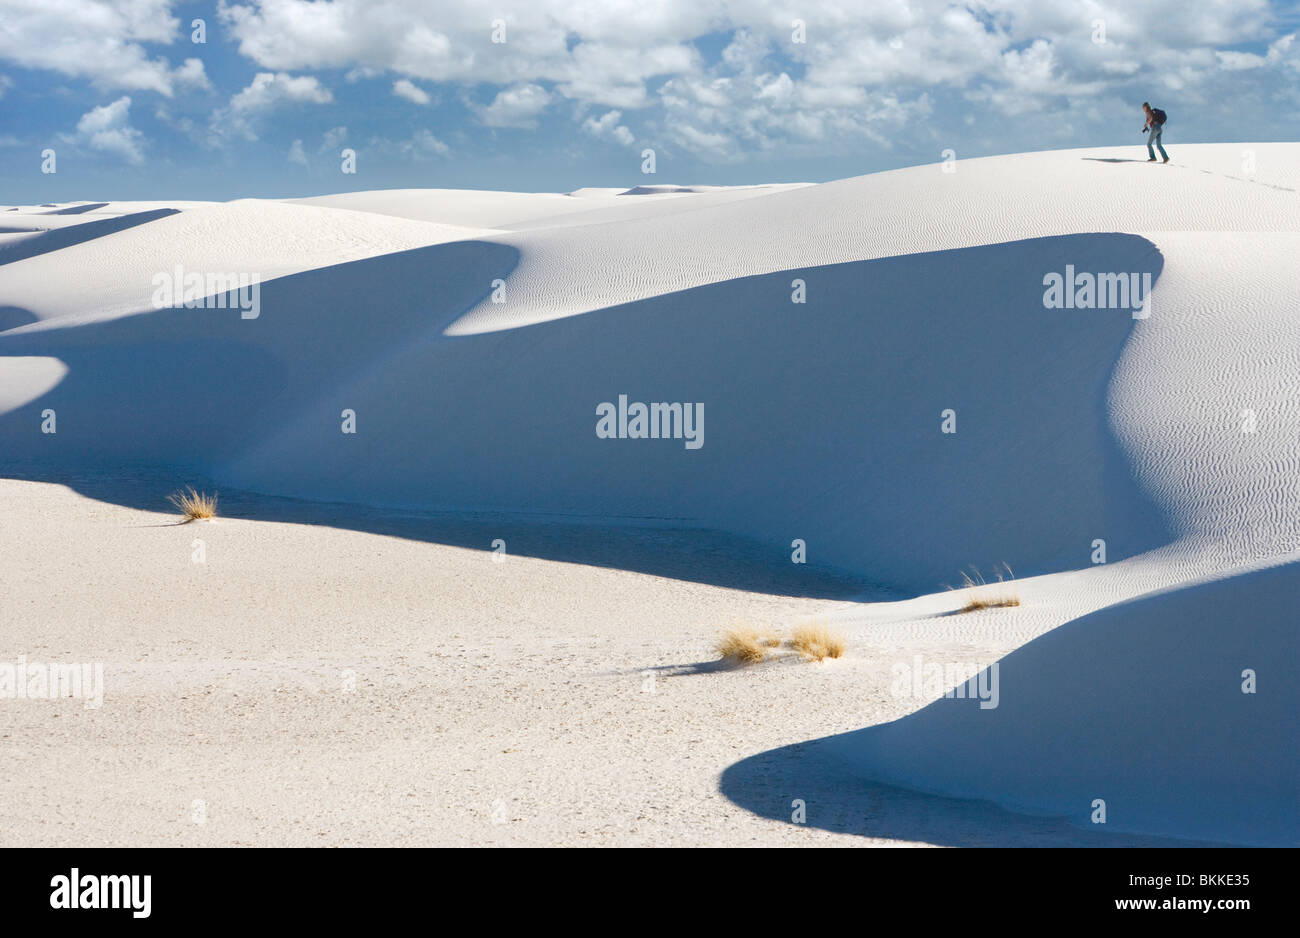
point(11, 317)
point(839, 800)
point(1154, 708)
point(58, 238)
point(823, 416)
point(79, 209)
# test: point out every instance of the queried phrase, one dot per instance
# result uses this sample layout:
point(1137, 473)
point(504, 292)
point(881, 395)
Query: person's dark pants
point(1154, 137)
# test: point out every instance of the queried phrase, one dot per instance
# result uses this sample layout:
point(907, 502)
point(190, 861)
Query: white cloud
point(610, 55)
point(100, 40)
point(426, 143)
point(405, 88)
point(266, 92)
point(517, 106)
point(608, 125)
point(108, 128)
point(864, 68)
point(1277, 53)
point(1030, 79)
point(728, 119)
point(191, 73)
point(623, 44)
point(713, 145)
point(297, 154)
point(615, 75)
point(421, 146)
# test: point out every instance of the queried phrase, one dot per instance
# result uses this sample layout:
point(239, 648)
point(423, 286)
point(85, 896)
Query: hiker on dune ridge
point(1152, 128)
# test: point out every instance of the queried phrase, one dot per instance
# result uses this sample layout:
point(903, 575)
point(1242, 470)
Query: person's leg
point(1151, 135)
point(1160, 147)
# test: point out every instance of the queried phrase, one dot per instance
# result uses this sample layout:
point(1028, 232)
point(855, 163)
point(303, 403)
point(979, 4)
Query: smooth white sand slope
point(27, 231)
point(312, 684)
point(521, 210)
point(564, 272)
point(115, 272)
point(1139, 706)
point(474, 357)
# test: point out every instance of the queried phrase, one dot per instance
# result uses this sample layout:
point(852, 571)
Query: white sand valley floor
point(311, 685)
point(334, 674)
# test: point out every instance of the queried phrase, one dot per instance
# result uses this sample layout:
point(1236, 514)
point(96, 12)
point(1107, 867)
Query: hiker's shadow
point(1267, 185)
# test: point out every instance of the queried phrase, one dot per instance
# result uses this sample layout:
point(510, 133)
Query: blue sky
point(724, 91)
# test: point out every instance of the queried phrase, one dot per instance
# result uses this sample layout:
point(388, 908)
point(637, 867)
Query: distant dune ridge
point(835, 332)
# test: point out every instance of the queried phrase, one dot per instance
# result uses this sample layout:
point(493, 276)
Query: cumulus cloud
point(100, 40)
point(743, 105)
point(864, 72)
point(266, 92)
point(517, 106)
point(405, 88)
point(420, 146)
point(615, 75)
point(108, 129)
point(1279, 52)
point(607, 125)
point(192, 73)
point(425, 143)
point(1030, 79)
point(619, 44)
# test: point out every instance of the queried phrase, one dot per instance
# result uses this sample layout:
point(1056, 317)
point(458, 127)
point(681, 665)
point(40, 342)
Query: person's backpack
point(1160, 116)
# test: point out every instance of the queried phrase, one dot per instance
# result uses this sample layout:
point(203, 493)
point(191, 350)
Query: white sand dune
point(1139, 706)
point(263, 239)
point(474, 334)
point(523, 210)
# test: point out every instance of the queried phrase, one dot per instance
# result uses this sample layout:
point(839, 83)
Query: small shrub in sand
point(985, 595)
point(817, 642)
point(195, 506)
point(745, 646)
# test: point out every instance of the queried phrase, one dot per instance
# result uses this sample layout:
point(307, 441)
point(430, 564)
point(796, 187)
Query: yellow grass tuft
point(985, 595)
point(744, 645)
point(990, 602)
point(817, 642)
point(195, 506)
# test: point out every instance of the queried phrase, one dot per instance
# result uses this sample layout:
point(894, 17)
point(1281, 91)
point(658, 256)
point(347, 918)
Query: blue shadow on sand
point(822, 418)
point(1140, 704)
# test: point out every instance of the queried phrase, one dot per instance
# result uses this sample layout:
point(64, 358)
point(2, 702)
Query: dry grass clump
point(990, 602)
point(195, 506)
point(985, 595)
point(744, 645)
point(817, 642)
